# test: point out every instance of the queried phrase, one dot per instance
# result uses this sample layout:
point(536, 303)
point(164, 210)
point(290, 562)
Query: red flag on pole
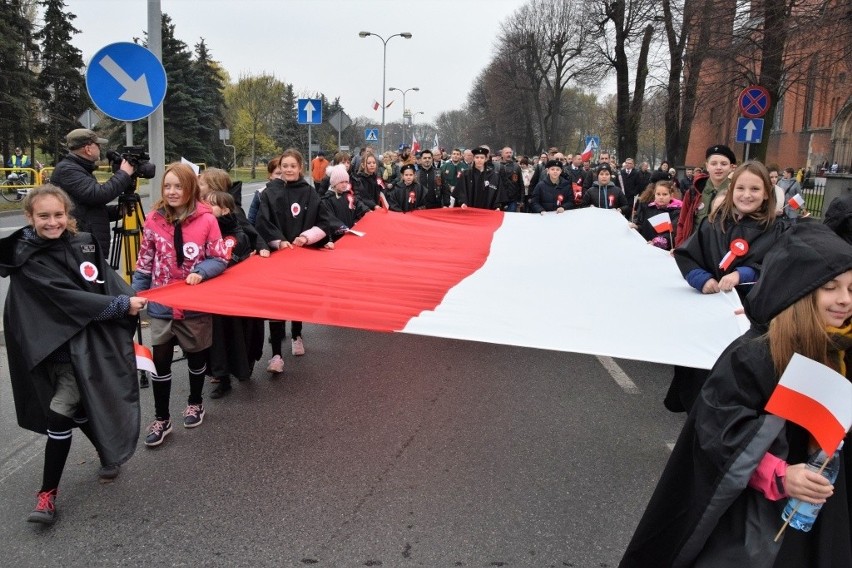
point(376, 105)
point(415, 145)
point(588, 152)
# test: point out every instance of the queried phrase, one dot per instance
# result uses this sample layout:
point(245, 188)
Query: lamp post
point(413, 114)
point(406, 35)
point(403, 91)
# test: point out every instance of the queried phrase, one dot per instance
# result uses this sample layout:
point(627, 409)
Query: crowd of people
point(729, 228)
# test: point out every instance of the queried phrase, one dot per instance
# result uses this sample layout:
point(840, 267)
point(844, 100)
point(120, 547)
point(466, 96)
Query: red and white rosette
point(739, 247)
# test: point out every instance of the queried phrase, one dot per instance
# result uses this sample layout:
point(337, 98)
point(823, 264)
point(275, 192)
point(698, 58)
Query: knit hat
point(338, 174)
point(807, 256)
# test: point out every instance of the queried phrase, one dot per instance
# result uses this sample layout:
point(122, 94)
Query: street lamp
point(413, 114)
point(403, 91)
point(406, 35)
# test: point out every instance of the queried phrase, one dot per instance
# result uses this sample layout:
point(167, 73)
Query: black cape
point(480, 189)
point(51, 304)
point(288, 209)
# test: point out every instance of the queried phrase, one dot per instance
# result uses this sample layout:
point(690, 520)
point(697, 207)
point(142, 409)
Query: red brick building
point(813, 118)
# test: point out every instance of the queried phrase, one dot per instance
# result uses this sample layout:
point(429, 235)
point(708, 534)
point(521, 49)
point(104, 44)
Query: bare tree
point(622, 25)
point(783, 46)
point(688, 39)
point(547, 40)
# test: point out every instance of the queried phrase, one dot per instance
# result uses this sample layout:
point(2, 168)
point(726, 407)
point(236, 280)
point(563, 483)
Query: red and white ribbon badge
point(739, 247)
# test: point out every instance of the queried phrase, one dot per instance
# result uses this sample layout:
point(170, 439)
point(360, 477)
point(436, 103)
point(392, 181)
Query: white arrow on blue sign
point(749, 130)
point(371, 134)
point(126, 81)
point(309, 111)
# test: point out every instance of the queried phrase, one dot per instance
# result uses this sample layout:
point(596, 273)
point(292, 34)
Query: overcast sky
point(314, 44)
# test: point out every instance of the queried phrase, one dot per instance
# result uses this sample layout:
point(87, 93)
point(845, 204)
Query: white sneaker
point(276, 365)
point(298, 346)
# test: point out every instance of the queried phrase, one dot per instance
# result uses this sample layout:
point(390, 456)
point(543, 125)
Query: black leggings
point(161, 382)
point(277, 333)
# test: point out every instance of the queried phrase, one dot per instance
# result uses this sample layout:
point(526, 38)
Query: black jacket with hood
point(57, 287)
point(703, 513)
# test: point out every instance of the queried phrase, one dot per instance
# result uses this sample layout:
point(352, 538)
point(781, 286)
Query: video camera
point(137, 157)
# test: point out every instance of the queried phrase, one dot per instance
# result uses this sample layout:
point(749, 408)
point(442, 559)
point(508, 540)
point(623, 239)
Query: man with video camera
point(74, 174)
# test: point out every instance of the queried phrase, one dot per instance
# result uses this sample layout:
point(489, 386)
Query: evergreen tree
point(61, 86)
point(17, 54)
point(209, 86)
point(286, 130)
point(181, 104)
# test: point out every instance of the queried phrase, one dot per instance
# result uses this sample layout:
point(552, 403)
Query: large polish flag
point(582, 281)
point(815, 397)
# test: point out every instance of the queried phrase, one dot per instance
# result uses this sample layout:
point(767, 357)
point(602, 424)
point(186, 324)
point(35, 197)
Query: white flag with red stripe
point(815, 397)
point(589, 151)
point(457, 289)
point(796, 202)
point(144, 359)
point(662, 223)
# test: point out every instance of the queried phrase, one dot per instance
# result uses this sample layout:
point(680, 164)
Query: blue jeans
point(512, 207)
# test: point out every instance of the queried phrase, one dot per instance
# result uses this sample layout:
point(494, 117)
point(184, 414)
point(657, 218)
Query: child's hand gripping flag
point(816, 398)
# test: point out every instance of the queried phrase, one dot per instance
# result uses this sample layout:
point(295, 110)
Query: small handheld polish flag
point(815, 397)
point(144, 359)
point(662, 223)
point(796, 202)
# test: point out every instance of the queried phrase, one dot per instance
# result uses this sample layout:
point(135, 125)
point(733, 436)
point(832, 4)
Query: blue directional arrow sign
point(126, 81)
point(749, 130)
point(309, 111)
point(371, 134)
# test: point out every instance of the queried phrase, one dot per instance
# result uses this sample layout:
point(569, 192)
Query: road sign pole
point(745, 151)
point(308, 161)
point(156, 130)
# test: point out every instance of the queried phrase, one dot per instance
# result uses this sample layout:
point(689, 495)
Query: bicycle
point(15, 187)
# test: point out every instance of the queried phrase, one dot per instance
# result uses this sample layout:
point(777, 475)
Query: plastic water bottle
point(805, 517)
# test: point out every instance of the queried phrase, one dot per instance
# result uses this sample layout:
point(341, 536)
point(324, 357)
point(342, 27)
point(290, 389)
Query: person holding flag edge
point(719, 500)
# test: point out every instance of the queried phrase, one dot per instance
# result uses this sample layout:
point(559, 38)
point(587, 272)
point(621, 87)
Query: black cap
point(722, 150)
point(480, 151)
point(407, 167)
point(553, 164)
point(603, 168)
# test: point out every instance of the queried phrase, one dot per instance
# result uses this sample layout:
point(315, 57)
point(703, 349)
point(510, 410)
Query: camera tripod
point(126, 238)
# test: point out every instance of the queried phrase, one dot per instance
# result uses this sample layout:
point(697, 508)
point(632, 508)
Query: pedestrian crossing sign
point(593, 142)
point(371, 134)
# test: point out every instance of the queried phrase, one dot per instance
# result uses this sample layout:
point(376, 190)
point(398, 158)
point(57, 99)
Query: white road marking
point(618, 375)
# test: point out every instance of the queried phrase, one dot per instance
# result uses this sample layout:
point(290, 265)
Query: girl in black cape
point(719, 500)
point(68, 322)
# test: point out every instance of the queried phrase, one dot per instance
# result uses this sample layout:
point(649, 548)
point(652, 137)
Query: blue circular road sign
point(754, 101)
point(126, 81)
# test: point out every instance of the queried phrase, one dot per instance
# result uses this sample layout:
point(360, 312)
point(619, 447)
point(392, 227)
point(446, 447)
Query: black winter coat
point(73, 174)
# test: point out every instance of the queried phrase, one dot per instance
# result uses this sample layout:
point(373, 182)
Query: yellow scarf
point(841, 341)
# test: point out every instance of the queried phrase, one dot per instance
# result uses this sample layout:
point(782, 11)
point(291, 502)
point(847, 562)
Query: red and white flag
point(662, 223)
point(815, 397)
point(453, 288)
point(376, 105)
point(796, 202)
point(588, 152)
point(415, 145)
point(144, 359)
point(384, 200)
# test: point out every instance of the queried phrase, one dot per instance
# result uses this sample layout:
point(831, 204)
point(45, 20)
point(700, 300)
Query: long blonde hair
point(798, 329)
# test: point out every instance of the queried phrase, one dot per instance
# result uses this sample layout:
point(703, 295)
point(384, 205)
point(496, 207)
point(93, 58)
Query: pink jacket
point(203, 250)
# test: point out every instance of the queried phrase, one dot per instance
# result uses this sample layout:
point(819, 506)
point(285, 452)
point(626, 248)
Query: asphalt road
point(372, 450)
